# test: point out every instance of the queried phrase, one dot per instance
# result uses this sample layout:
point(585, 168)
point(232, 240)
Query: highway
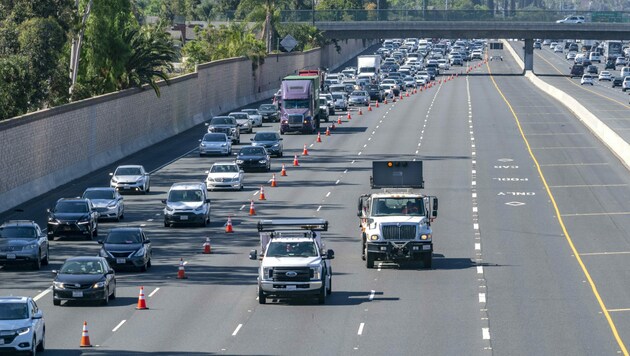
point(531, 241)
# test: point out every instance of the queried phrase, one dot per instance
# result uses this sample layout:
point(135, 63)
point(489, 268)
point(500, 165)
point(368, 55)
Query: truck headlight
point(374, 237)
point(425, 237)
point(316, 272)
point(267, 273)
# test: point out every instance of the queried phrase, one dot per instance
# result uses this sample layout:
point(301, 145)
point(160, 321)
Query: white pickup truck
point(293, 260)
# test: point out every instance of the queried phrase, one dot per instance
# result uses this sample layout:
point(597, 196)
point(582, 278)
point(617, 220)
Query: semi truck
point(299, 109)
point(369, 66)
point(395, 223)
point(293, 260)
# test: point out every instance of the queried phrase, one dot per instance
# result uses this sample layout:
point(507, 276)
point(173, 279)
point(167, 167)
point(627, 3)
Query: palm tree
point(152, 57)
point(265, 14)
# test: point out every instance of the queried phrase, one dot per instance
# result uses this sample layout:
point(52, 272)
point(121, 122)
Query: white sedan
point(586, 79)
point(225, 175)
point(254, 116)
point(604, 75)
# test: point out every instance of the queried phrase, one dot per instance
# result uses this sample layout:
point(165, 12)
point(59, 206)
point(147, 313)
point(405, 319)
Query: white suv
point(22, 327)
point(625, 85)
point(187, 203)
point(572, 19)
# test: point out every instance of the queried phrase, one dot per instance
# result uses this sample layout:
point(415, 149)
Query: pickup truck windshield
point(291, 249)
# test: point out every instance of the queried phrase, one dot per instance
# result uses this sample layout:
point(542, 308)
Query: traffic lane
point(548, 257)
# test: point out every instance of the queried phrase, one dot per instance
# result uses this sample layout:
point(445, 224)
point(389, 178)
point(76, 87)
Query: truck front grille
point(399, 232)
point(284, 274)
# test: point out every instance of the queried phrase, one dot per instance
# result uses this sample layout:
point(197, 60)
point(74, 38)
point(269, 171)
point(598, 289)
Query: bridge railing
point(448, 15)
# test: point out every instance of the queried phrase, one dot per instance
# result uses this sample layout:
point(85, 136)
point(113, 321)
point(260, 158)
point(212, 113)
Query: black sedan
point(269, 140)
point(73, 217)
point(269, 112)
point(84, 278)
point(127, 247)
point(253, 158)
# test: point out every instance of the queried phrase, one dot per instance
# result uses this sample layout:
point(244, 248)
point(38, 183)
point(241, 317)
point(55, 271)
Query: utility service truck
point(396, 222)
point(293, 260)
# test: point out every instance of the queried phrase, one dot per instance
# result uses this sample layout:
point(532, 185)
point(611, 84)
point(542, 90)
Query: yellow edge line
point(602, 306)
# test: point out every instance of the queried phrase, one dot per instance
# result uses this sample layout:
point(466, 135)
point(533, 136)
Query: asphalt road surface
point(531, 242)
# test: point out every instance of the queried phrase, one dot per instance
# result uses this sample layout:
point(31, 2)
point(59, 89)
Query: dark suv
point(22, 241)
point(73, 217)
point(577, 70)
point(375, 92)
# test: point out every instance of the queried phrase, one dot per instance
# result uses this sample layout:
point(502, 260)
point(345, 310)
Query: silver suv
point(625, 85)
point(226, 125)
point(22, 241)
point(22, 327)
point(187, 203)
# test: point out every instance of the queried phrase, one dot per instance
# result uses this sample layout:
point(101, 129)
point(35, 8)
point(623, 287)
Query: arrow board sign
point(289, 43)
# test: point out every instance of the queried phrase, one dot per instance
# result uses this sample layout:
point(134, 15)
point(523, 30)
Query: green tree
point(14, 88)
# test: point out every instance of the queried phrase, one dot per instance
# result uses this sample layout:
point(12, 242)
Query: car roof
point(186, 185)
point(85, 258)
point(73, 199)
point(100, 188)
point(232, 163)
point(13, 299)
point(18, 223)
point(130, 166)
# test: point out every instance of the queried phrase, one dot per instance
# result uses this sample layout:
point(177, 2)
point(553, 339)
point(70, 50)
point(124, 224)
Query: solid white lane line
point(477, 246)
point(42, 294)
point(360, 329)
point(479, 269)
point(154, 291)
point(118, 326)
point(482, 297)
point(597, 214)
point(485, 333)
point(372, 292)
point(604, 253)
point(588, 186)
point(327, 194)
point(237, 329)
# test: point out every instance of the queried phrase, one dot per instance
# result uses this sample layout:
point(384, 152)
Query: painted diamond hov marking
point(515, 203)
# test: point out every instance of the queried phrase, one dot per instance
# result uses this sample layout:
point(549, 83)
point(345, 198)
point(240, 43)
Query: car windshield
point(214, 138)
point(267, 107)
point(251, 111)
point(189, 195)
point(398, 206)
point(357, 93)
point(239, 116)
point(99, 194)
point(82, 267)
point(338, 96)
point(13, 311)
point(265, 136)
point(128, 171)
point(224, 168)
point(123, 237)
point(71, 207)
point(222, 121)
point(252, 151)
point(18, 232)
point(291, 249)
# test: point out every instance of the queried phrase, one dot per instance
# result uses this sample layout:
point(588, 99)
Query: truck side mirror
point(434, 213)
point(253, 255)
point(359, 207)
point(330, 254)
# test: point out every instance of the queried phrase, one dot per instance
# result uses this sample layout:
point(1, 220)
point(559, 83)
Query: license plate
point(291, 287)
point(77, 294)
point(426, 247)
point(10, 256)
point(183, 217)
point(67, 228)
point(121, 261)
point(126, 187)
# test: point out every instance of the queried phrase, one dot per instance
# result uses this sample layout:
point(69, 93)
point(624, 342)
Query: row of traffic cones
point(85, 336)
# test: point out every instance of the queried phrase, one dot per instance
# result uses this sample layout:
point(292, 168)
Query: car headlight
point(202, 145)
point(276, 145)
point(169, 209)
point(233, 129)
point(267, 273)
point(53, 221)
point(30, 246)
point(83, 222)
point(58, 285)
point(316, 272)
point(239, 161)
point(200, 209)
point(112, 204)
point(425, 237)
point(262, 161)
point(22, 331)
point(140, 252)
point(223, 144)
point(104, 253)
point(100, 284)
point(374, 237)
point(114, 180)
point(139, 180)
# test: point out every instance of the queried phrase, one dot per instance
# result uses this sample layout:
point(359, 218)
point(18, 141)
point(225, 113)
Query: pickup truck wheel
point(329, 289)
point(369, 260)
point(427, 260)
point(363, 250)
point(321, 297)
point(262, 299)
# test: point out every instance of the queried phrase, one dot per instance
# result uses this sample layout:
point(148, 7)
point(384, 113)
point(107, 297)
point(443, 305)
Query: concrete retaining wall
point(48, 148)
point(617, 145)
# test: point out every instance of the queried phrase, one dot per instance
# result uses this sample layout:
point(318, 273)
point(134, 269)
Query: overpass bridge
point(527, 25)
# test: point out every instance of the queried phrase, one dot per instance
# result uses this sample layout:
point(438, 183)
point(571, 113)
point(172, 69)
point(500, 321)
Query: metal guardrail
point(546, 16)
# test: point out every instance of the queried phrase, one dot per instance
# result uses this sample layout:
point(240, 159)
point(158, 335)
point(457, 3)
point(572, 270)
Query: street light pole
point(313, 12)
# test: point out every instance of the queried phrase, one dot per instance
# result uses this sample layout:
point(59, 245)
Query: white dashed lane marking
point(118, 326)
point(154, 291)
point(237, 329)
point(361, 326)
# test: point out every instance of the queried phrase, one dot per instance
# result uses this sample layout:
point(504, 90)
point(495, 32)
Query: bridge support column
point(529, 54)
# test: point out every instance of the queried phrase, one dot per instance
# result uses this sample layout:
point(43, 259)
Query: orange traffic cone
point(181, 273)
point(360, 111)
point(377, 102)
point(85, 338)
point(327, 131)
point(252, 210)
point(319, 137)
point(407, 93)
point(262, 194)
point(385, 101)
point(305, 151)
point(369, 107)
point(283, 171)
point(295, 161)
point(207, 249)
point(401, 96)
point(349, 117)
point(228, 226)
point(339, 120)
point(142, 303)
point(332, 127)
point(273, 180)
